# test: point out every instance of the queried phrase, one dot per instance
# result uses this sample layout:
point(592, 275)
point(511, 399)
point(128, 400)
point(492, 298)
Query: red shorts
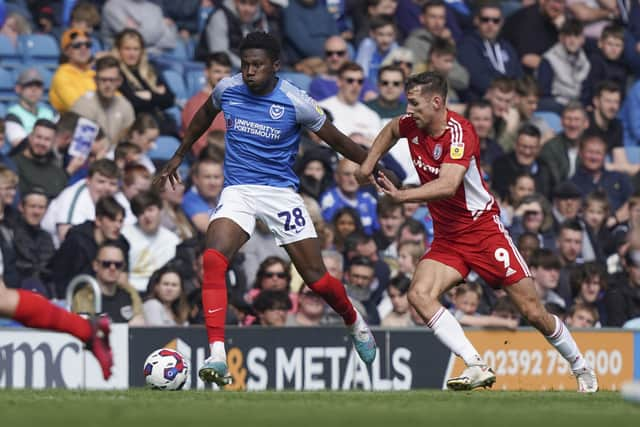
point(490, 253)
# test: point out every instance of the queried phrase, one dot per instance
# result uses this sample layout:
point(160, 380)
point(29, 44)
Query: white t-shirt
point(129, 217)
point(356, 118)
point(148, 253)
point(72, 206)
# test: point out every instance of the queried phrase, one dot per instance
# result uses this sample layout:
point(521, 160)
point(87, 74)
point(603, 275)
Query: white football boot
point(473, 376)
point(587, 380)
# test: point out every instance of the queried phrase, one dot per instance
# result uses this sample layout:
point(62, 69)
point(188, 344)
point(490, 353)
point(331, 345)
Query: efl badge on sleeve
point(457, 150)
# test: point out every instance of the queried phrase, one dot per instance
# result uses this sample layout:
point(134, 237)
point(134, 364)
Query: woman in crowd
point(345, 221)
point(166, 304)
point(524, 185)
point(589, 283)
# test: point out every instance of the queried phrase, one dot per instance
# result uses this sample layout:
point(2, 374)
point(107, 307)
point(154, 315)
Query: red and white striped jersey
point(459, 144)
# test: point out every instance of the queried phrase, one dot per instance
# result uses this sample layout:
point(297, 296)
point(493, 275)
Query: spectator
point(4, 159)
point(603, 121)
point(218, 66)
point(152, 245)
point(143, 133)
point(567, 202)
point(501, 95)
point(166, 303)
point(334, 262)
point(488, 55)
point(526, 103)
point(114, 114)
point(13, 26)
point(390, 103)
point(143, 86)
point(227, 25)
point(359, 244)
point(480, 114)
point(336, 54)
point(172, 215)
point(145, 17)
point(409, 254)
point(315, 169)
point(119, 300)
point(271, 308)
point(78, 250)
point(22, 116)
point(126, 153)
point(362, 13)
point(630, 116)
point(592, 175)
point(527, 244)
point(136, 179)
point(74, 77)
point(306, 24)
point(399, 315)
point(598, 239)
point(358, 280)
point(403, 58)
point(561, 151)
point(36, 166)
point(260, 246)
point(373, 49)
point(523, 185)
point(350, 115)
point(589, 284)
point(311, 309)
point(433, 19)
point(76, 203)
point(563, 69)
point(532, 215)
point(466, 299)
point(198, 203)
point(533, 29)
point(523, 158)
point(347, 193)
point(569, 244)
point(594, 15)
point(606, 63)
point(85, 16)
point(34, 247)
point(442, 58)
point(622, 298)
point(345, 222)
point(8, 191)
point(582, 316)
point(390, 218)
point(545, 269)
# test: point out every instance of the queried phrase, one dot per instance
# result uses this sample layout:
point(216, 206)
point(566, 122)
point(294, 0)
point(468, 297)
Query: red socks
point(35, 311)
point(333, 292)
point(214, 293)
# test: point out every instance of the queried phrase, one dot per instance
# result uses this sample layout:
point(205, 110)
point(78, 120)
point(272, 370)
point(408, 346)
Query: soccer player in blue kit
point(264, 117)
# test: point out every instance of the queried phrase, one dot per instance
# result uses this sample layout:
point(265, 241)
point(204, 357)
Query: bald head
point(336, 53)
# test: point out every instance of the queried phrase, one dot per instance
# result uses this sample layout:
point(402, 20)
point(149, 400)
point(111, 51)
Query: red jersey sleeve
point(463, 144)
point(407, 125)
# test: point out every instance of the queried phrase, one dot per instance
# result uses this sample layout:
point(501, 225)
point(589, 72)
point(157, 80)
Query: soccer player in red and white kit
point(468, 233)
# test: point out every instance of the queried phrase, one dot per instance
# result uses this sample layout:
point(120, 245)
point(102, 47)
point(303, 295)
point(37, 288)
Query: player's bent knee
point(422, 295)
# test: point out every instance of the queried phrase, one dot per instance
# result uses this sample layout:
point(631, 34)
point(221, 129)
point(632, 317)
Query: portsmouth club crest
point(276, 111)
point(437, 151)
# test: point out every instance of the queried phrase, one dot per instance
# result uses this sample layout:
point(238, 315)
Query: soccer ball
point(166, 369)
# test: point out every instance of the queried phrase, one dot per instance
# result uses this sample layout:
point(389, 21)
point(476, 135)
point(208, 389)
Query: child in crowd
point(582, 316)
point(397, 290)
point(597, 237)
point(466, 299)
point(409, 254)
point(377, 46)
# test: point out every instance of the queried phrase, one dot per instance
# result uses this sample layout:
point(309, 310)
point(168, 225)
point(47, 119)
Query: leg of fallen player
point(430, 281)
point(33, 310)
point(525, 298)
point(306, 256)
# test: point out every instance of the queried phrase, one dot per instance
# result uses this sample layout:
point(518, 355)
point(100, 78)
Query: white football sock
point(562, 340)
point(218, 352)
point(447, 329)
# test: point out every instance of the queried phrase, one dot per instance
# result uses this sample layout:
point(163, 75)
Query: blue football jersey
point(263, 132)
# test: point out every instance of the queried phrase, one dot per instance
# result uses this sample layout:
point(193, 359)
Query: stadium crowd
point(551, 88)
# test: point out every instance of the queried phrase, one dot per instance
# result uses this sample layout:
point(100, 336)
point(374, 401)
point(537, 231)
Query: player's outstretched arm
point(445, 186)
point(387, 137)
point(199, 124)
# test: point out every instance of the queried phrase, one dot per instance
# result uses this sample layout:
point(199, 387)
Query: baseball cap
point(30, 75)
point(567, 190)
point(69, 35)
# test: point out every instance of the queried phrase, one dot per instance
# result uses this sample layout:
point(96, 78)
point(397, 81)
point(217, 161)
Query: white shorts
point(281, 209)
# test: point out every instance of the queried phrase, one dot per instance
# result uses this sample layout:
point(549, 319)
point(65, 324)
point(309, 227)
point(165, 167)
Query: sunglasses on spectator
point(108, 79)
point(351, 80)
point(105, 263)
point(486, 19)
point(335, 52)
point(78, 45)
point(279, 275)
point(390, 83)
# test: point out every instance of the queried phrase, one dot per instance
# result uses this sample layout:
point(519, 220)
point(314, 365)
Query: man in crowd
point(198, 203)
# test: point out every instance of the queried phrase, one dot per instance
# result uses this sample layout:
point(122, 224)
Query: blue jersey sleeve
point(224, 84)
point(308, 112)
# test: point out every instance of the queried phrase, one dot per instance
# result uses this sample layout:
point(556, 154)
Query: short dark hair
point(545, 258)
point(263, 41)
point(591, 135)
point(195, 169)
point(612, 30)
point(433, 3)
point(529, 129)
point(442, 46)
point(387, 205)
point(143, 200)
point(570, 224)
point(503, 84)
point(272, 300)
point(390, 68)
point(143, 122)
point(486, 4)
point(349, 66)
point(107, 62)
point(45, 123)
point(108, 207)
point(110, 244)
point(401, 283)
point(526, 86)
point(124, 149)
point(429, 82)
point(381, 21)
point(362, 261)
point(478, 103)
point(219, 58)
point(105, 167)
point(606, 86)
point(414, 226)
point(571, 27)
point(34, 191)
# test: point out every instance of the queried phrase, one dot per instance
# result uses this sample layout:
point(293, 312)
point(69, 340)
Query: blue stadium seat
point(299, 79)
point(195, 81)
point(9, 54)
point(551, 118)
point(165, 147)
point(7, 86)
point(163, 63)
point(176, 83)
point(96, 45)
point(3, 111)
point(176, 114)
point(39, 49)
point(180, 52)
point(633, 153)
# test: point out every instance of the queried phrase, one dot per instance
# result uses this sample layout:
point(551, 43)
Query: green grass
point(142, 408)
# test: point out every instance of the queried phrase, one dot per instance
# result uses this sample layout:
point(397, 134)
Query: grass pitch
point(142, 408)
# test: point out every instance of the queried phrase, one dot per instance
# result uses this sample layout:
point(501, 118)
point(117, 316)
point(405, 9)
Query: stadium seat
point(7, 86)
point(633, 153)
point(176, 83)
point(180, 52)
point(9, 54)
point(39, 49)
point(551, 118)
point(176, 115)
point(299, 79)
point(3, 111)
point(96, 45)
point(195, 81)
point(163, 63)
point(164, 148)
